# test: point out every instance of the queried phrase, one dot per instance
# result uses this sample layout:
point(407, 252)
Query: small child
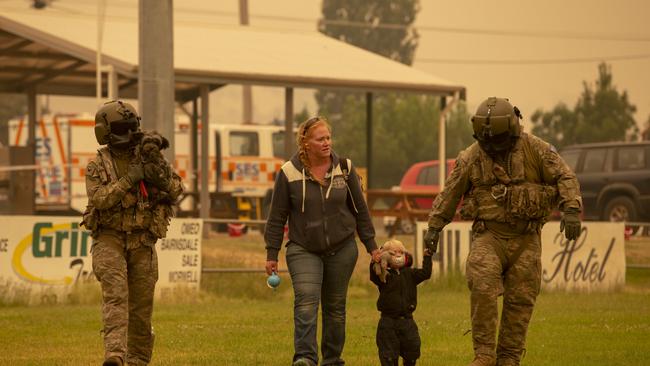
point(397, 333)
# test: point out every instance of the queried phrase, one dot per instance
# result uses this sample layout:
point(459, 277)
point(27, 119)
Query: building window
point(244, 144)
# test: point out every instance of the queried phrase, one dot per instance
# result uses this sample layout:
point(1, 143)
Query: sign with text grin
point(49, 254)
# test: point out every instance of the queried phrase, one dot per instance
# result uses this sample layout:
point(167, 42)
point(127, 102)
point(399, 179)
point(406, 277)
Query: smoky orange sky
point(545, 51)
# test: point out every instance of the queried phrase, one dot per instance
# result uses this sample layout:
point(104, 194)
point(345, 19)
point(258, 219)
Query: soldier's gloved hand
point(135, 173)
point(431, 239)
point(157, 175)
point(570, 224)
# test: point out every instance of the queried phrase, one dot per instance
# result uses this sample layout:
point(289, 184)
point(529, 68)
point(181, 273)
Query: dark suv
point(614, 179)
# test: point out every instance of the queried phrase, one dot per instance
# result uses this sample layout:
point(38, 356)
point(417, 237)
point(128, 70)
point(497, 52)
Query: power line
point(541, 34)
point(76, 12)
point(533, 61)
point(496, 32)
point(394, 26)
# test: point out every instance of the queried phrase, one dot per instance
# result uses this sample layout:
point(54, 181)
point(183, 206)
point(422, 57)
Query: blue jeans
point(320, 279)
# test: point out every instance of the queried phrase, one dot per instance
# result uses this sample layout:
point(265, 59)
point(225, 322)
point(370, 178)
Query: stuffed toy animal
point(393, 255)
point(157, 171)
point(150, 147)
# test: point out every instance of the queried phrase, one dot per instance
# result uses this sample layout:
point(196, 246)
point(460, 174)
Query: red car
point(423, 176)
point(420, 177)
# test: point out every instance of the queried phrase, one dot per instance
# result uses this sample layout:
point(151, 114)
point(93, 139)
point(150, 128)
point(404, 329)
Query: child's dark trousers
point(398, 336)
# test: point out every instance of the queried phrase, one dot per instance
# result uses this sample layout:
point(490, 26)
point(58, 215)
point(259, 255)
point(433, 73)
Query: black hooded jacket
point(321, 218)
point(399, 295)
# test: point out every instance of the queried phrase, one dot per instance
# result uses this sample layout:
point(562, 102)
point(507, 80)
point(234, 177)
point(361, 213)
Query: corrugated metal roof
point(225, 54)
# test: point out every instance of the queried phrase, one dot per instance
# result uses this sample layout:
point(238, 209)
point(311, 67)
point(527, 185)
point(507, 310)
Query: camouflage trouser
point(490, 273)
point(128, 279)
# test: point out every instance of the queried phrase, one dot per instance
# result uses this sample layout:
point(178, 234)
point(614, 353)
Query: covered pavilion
point(53, 52)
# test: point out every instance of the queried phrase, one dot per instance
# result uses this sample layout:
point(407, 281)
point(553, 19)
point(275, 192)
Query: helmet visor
point(123, 128)
point(500, 141)
point(498, 124)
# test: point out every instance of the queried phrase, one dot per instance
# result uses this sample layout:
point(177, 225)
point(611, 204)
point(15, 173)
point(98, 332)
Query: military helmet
point(496, 124)
point(494, 117)
point(115, 117)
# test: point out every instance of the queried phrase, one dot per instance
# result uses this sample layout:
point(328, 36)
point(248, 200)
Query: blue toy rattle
point(273, 281)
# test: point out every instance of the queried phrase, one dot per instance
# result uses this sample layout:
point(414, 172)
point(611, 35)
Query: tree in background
point(298, 118)
point(645, 135)
point(557, 126)
point(459, 131)
point(601, 114)
point(404, 125)
point(398, 44)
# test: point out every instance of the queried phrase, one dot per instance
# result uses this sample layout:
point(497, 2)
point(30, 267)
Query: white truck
point(243, 162)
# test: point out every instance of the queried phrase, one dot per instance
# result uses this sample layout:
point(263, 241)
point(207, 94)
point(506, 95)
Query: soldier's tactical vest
point(133, 214)
point(508, 193)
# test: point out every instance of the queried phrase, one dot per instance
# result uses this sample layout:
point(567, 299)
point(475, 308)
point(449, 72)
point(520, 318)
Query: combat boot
point(483, 360)
point(113, 361)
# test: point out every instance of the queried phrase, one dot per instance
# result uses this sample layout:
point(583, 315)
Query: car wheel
point(621, 209)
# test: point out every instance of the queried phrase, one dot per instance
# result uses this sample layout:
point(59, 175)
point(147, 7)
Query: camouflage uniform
point(509, 202)
point(125, 227)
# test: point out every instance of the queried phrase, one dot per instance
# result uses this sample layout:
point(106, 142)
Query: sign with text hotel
point(593, 262)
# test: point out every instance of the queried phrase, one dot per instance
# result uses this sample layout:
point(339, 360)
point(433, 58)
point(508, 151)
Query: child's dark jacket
point(398, 297)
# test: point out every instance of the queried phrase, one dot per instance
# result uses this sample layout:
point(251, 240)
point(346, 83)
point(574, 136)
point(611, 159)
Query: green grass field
point(237, 320)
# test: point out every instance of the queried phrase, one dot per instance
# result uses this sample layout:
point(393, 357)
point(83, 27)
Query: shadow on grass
point(13, 294)
point(637, 278)
point(244, 285)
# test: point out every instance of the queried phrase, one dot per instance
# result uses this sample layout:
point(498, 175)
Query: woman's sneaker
point(303, 362)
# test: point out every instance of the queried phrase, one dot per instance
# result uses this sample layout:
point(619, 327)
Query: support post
point(30, 177)
point(205, 157)
point(445, 109)
point(101, 12)
point(156, 70)
point(288, 123)
point(194, 151)
point(442, 144)
point(247, 90)
point(113, 88)
point(31, 120)
point(369, 138)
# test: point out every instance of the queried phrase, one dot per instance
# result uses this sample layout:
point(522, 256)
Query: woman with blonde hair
point(320, 196)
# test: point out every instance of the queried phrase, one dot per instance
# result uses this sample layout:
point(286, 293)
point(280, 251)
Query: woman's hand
point(376, 255)
point(271, 266)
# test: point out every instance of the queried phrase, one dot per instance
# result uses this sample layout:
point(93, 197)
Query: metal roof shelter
point(53, 52)
point(46, 42)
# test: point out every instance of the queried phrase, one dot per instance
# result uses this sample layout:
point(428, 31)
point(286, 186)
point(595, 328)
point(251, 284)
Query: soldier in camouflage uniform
point(510, 181)
point(130, 203)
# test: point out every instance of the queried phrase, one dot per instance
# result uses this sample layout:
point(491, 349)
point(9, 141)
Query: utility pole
point(101, 12)
point(156, 69)
point(247, 94)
